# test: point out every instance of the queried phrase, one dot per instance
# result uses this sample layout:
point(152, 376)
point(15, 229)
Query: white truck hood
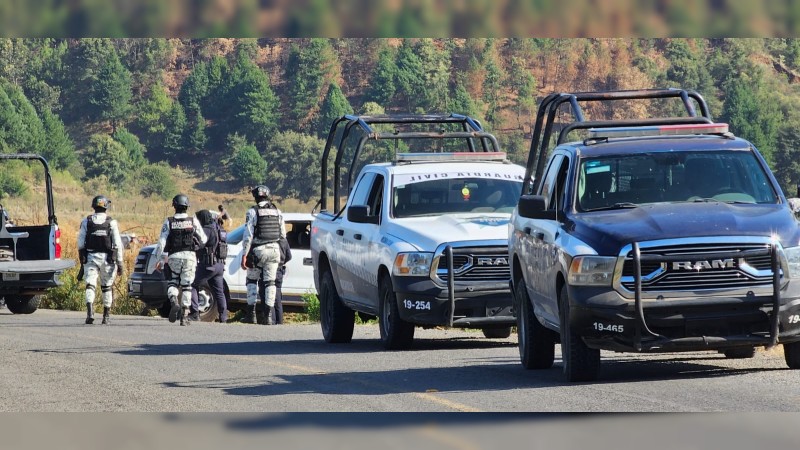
point(427, 233)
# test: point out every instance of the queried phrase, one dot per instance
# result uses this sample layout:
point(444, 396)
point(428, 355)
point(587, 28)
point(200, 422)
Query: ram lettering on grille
point(729, 263)
point(492, 262)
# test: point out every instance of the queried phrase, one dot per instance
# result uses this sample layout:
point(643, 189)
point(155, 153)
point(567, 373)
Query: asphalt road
point(50, 361)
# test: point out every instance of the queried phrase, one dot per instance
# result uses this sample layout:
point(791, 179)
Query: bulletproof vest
point(98, 237)
point(181, 235)
point(268, 224)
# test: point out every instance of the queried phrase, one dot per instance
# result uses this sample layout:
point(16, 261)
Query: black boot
point(268, 315)
point(106, 310)
point(89, 314)
point(184, 317)
point(249, 314)
point(174, 311)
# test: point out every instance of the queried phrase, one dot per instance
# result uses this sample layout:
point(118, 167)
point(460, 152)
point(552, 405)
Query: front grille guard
point(642, 330)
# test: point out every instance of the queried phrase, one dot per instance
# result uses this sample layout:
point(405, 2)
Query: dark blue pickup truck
point(650, 235)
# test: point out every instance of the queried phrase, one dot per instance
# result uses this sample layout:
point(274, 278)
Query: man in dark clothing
point(210, 266)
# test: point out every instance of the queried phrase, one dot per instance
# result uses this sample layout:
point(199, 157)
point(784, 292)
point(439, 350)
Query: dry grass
point(135, 214)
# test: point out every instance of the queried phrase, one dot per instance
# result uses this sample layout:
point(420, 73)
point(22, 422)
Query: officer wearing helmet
point(260, 256)
point(181, 236)
point(100, 253)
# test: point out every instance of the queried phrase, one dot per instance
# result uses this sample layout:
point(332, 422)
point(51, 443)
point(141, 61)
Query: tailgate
point(40, 266)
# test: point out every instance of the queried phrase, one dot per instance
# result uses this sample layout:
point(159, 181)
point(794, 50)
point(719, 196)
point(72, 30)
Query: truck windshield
point(734, 177)
point(456, 195)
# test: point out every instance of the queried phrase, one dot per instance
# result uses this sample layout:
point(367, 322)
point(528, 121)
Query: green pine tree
point(334, 105)
point(111, 93)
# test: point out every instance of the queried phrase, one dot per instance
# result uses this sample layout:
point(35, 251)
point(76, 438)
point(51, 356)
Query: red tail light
point(58, 243)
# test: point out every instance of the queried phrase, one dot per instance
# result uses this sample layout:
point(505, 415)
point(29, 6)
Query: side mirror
point(360, 214)
point(535, 207)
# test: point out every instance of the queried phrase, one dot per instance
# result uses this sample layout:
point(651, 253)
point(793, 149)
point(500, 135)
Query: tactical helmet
point(100, 202)
point(180, 200)
point(261, 191)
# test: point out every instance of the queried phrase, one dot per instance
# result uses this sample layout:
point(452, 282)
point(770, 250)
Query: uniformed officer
point(181, 236)
point(100, 253)
point(210, 267)
point(264, 227)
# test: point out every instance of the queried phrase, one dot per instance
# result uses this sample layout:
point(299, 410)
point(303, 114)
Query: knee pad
point(90, 286)
point(253, 282)
point(105, 288)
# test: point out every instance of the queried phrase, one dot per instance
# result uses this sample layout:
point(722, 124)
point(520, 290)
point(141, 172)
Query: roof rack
point(471, 132)
point(546, 116)
point(450, 156)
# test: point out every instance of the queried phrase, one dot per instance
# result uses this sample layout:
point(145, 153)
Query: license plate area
point(10, 276)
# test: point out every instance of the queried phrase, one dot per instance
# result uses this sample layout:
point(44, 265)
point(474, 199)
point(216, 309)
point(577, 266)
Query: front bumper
point(151, 289)
point(423, 302)
point(703, 321)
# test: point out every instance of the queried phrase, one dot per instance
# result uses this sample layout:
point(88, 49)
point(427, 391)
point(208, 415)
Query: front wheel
point(792, 354)
point(396, 333)
point(22, 304)
point(537, 345)
point(336, 319)
point(581, 363)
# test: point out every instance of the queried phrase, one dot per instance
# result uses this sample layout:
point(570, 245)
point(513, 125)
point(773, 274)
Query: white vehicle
point(149, 285)
point(422, 240)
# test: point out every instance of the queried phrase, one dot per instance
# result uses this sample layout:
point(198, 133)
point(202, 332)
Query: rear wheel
point(497, 333)
point(740, 353)
point(206, 304)
point(336, 319)
point(22, 304)
point(396, 333)
point(581, 363)
point(163, 310)
point(792, 354)
point(537, 344)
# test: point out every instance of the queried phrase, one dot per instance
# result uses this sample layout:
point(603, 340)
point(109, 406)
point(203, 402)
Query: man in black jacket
point(210, 266)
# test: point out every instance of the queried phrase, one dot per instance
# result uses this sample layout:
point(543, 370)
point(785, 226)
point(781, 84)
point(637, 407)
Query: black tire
point(207, 305)
point(396, 333)
point(336, 319)
point(580, 362)
point(497, 333)
point(792, 354)
point(22, 304)
point(163, 310)
point(537, 344)
point(740, 353)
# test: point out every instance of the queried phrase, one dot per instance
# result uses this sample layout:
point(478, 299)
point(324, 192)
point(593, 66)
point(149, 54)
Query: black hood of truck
point(608, 231)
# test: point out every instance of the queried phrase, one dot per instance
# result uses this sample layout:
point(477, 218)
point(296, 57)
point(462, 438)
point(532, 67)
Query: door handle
point(357, 236)
point(538, 236)
point(340, 232)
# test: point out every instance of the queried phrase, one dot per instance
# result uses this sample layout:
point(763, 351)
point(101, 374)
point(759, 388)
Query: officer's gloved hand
point(120, 269)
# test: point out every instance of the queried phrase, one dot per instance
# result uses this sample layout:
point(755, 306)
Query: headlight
point(592, 270)
point(793, 258)
point(412, 264)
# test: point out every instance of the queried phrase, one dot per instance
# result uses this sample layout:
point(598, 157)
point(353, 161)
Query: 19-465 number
point(616, 328)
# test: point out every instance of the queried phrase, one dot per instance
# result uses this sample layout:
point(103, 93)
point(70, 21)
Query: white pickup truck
point(421, 240)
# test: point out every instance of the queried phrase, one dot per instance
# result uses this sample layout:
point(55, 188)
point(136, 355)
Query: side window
point(548, 187)
point(363, 189)
point(559, 196)
point(375, 199)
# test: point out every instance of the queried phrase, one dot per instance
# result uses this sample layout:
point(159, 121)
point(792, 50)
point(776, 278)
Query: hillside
point(141, 119)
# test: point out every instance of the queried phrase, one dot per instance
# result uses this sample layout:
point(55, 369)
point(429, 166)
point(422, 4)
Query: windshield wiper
point(622, 205)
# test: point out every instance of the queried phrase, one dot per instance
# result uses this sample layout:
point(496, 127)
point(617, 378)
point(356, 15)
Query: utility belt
point(83, 255)
point(206, 258)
